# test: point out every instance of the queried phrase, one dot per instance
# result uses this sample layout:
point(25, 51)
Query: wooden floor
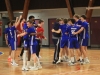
point(48, 68)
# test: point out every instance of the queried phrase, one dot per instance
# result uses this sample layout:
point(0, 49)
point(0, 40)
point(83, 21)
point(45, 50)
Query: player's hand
point(16, 17)
point(73, 33)
point(6, 42)
point(53, 30)
point(45, 38)
point(18, 35)
point(20, 16)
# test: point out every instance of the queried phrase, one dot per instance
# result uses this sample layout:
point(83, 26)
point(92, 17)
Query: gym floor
point(48, 68)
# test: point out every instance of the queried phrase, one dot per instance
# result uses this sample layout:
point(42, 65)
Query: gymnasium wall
point(53, 13)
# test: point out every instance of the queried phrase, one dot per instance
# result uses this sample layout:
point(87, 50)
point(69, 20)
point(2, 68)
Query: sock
point(24, 58)
point(35, 64)
point(80, 58)
point(72, 59)
point(38, 62)
point(60, 58)
point(28, 64)
point(13, 61)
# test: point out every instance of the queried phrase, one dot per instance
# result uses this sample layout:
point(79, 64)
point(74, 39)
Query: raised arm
point(18, 22)
point(21, 26)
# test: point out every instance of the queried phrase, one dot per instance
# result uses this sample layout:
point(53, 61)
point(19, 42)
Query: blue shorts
point(26, 43)
point(64, 42)
point(84, 42)
point(33, 49)
point(13, 45)
point(73, 43)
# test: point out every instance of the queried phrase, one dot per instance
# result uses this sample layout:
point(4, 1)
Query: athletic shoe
point(81, 62)
point(71, 64)
point(34, 68)
point(39, 67)
point(86, 61)
point(58, 62)
point(29, 67)
point(25, 69)
point(54, 62)
point(14, 64)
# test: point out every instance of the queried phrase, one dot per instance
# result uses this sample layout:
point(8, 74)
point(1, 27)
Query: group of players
point(32, 36)
point(74, 36)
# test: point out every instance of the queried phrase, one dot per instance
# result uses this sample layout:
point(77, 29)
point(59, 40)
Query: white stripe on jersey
point(32, 40)
point(15, 35)
point(84, 32)
point(68, 44)
point(31, 49)
point(81, 42)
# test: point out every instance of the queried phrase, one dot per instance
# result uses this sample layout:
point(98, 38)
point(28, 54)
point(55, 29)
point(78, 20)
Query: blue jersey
point(79, 22)
point(84, 34)
point(25, 28)
point(32, 39)
point(12, 33)
point(8, 33)
point(63, 30)
point(72, 29)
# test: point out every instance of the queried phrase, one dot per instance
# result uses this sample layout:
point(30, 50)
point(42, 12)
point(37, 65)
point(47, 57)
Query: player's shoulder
point(13, 27)
point(69, 27)
point(79, 21)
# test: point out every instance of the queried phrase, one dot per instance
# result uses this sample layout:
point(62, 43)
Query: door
point(51, 22)
point(95, 31)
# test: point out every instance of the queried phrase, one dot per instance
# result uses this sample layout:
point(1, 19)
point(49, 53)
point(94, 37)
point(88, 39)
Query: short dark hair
point(77, 16)
point(12, 22)
point(8, 22)
point(59, 19)
point(65, 21)
point(31, 22)
point(72, 20)
point(40, 21)
point(21, 19)
point(30, 17)
point(83, 16)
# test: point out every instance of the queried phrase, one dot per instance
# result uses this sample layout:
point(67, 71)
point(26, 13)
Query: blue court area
point(1, 53)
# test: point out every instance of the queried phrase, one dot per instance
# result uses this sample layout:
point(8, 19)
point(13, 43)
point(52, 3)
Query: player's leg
point(77, 46)
point(67, 49)
point(71, 48)
point(57, 50)
point(34, 57)
point(84, 45)
point(38, 47)
point(13, 53)
point(9, 57)
point(26, 62)
point(62, 51)
point(22, 51)
point(21, 54)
